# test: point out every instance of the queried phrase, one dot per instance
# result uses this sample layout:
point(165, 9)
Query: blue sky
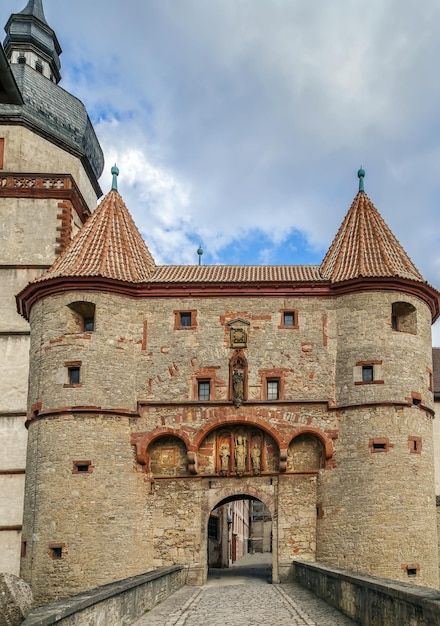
point(240, 124)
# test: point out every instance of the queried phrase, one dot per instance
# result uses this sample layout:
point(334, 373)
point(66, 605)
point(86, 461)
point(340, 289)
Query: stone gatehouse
point(159, 392)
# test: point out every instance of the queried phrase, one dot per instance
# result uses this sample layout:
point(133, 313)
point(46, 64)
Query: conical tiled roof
point(109, 245)
point(365, 247)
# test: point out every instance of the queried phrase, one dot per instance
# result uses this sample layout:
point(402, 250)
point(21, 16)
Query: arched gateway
point(235, 459)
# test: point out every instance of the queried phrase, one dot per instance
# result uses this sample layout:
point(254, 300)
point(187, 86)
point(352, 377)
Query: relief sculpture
point(256, 458)
point(240, 455)
point(224, 459)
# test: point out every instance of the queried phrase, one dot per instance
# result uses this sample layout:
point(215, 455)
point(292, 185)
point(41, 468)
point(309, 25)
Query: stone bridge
point(316, 596)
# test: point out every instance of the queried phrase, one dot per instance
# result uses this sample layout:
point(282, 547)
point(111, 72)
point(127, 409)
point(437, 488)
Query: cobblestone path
point(243, 599)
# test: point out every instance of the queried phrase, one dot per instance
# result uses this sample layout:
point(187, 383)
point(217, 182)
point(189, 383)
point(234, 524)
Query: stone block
point(15, 600)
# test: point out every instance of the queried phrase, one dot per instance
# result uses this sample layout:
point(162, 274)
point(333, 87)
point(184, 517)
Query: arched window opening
point(82, 319)
point(404, 317)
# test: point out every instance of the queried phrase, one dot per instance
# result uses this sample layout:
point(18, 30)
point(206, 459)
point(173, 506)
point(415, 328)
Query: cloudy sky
point(240, 124)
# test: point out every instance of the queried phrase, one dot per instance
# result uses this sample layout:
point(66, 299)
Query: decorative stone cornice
point(43, 186)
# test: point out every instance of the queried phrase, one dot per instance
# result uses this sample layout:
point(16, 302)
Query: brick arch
point(142, 441)
point(316, 432)
point(226, 422)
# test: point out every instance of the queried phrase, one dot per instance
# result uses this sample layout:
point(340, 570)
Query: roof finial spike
point(200, 252)
point(361, 175)
point(115, 173)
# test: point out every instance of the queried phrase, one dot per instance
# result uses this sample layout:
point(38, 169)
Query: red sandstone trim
point(89, 465)
point(415, 444)
point(2, 152)
point(34, 291)
point(44, 186)
point(65, 228)
point(205, 374)
point(54, 413)
point(295, 326)
point(177, 319)
point(380, 444)
point(316, 432)
point(266, 375)
point(407, 567)
point(56, 546)
point(144, 335)
point(143, 441)
point(360, 363)
point(369, 382)
point(325, 330)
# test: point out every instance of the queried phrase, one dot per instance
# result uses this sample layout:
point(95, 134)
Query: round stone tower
point(379, 506)
point(50, 162)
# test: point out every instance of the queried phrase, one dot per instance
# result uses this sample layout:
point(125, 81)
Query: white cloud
point(237, 117)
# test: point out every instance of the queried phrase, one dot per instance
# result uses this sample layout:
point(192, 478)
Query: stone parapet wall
point(117, 604)
point(370, 600)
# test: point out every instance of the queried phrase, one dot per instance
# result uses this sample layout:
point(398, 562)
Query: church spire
point(31, 41)
point(35, 8)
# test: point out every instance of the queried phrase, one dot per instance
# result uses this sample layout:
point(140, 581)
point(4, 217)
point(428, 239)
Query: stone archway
point(238, 490)
point(238, 527)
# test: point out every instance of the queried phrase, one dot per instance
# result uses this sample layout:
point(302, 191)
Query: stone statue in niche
point(224, 459)
point(237, 388)
point(240, 454)
point(256, 458)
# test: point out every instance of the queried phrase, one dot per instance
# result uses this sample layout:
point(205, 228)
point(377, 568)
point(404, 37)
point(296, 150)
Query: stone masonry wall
point(135, 414)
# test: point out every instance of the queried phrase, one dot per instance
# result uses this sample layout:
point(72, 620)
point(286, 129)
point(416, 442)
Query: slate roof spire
point(30, 40)
point(35, 8)
point(109, 245)
point(365, 247)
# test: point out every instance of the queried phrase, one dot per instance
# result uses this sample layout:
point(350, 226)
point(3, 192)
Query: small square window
point(273, 389)
point(185, 319)
point(74, 375)
point(56, 552)
point(289, 318)
point(367, 373)
point(82, 467)
point(204, 389)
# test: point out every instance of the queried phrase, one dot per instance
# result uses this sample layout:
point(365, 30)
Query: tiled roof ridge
point(364, 246)
point(109, 245)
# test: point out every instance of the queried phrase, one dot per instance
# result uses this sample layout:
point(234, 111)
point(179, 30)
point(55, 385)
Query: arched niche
point(404, 317)
point(306, 453)
point(168, 457)
point(81, 317)
point(238, 450)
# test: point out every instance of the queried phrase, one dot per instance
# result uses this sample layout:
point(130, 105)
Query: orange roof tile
point(235, 273)
point(109, 245)
point(365, 247)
